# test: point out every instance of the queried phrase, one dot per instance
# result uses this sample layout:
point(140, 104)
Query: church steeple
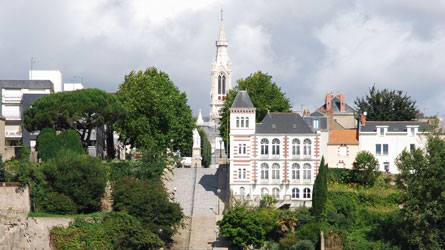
point(221, 74)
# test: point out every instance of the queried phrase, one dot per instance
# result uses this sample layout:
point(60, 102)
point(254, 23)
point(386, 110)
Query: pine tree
point(320, 194)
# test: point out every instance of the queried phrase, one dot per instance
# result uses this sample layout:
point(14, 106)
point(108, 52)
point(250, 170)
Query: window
point(223, 88)
point(264, 146)
point(241, 148)
point(237, 122)
point(295, 171)
point(379, 151)
point(295, 193)
point(411, 132)
point(247, 122)
point(381, 131)
point(275, 147)
point(386, 166)
point(316, 123)
point(219, 85)
point(342, 150)
point(242, 122)
point(241, 173)
point(276, 193)
point(306, 193)
point(307, 147)
point(264, 171)
point(385, 149)
point(275, 171)
point(264, 191)
point(307, 171)
point(296, 147)
point(244, 148)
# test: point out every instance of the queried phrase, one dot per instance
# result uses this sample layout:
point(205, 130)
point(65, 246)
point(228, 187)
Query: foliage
point(150, 203)
point(368, 167)
point(422, 183)
point(58, 204)
point(288, 240)
point(80, 177)
point(3, 172)
point(267, 201)
point(387, 105)
point(303, 245)
point(342, 175)
point(80, 110)
point(24, 154)
point(320, 194)
point(70, 139)
point(287, 222)
point(206, 148)
point(270, 245)
point(264, 94)
point(241, 228)
point(116, 230)
point(47, 144)
point(268, 217)
point(158, 114)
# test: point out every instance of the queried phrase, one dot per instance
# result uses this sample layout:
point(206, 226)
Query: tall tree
point(206, 148)
point(387, 105)
point(320, 196)
point(422, 183)
point(264, 94)
point(81, 110)
point(158, 114)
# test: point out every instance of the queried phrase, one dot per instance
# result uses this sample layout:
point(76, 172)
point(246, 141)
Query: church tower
point(221, 75)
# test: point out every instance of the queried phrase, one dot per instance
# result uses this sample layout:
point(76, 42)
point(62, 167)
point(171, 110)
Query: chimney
point(341, 97)
point(327, 101)
point(363, 119)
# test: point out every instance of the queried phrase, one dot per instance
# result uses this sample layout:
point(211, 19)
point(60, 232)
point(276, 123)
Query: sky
point(308, 47)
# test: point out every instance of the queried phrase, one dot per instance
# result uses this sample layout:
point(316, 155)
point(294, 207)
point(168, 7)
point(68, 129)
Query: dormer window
point(315, 123)
point(381, 131)
point(274, 126)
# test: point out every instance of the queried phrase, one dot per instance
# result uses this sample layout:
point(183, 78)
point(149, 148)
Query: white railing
point(12, 116)
point(13, 133)
point(12, 99)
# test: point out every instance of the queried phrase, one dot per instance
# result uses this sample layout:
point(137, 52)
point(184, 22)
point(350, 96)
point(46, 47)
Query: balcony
point(13, 134)
point(11, 99)
point(12, 117)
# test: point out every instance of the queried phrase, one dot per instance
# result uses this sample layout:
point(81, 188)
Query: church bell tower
point(221, 75)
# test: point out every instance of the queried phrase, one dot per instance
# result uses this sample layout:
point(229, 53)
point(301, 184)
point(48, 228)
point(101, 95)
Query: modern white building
point(279, 156)
point(386, 140)
point(55, 76)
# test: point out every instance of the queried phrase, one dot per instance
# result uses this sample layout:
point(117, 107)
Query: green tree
point(150, 203)
point(422, 183)
point(368, 168)
point(81, 110)
point(70, 139)
point(80, 177)
point(158, 114)
point(47, 144)
point(320, 195)
point(387, 105)
point(241, 228)
point(206, 148)
point(264, 94)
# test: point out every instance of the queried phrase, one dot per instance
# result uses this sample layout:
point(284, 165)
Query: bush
point(47, 145)
point(24, 154)
point(344, 176)
point(303, 245)
point(56, 203)
point(80, 177)
point(368, 168)
point(70, 139)
point(288, 241)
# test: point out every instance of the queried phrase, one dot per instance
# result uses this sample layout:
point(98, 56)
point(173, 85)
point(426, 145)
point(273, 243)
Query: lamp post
point(220, 148)
point(217, 200)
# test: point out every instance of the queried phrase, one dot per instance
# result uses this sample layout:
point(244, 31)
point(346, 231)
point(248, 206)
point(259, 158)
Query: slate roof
point(371, 126)
point(317, 113)
point(343, 136)
point(283, 123)
point(26, 84)
point(242, 100)
point(335, 102)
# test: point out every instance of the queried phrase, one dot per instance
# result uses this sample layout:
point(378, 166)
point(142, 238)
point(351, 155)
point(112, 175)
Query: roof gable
point(242, 100)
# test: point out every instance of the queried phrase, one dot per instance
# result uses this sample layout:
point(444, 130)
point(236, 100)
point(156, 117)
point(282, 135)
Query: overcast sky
point(309, 47)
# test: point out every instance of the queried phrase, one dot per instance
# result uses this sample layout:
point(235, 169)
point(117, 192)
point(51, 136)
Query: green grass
point(91, 215)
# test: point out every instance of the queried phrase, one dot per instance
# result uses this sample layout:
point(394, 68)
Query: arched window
point(275, 171)
point(237, 122)
point(242, 122)
point(307, 171)
point(275, 147)
point(264, 171)
point(295, 193)
point(307, 193)
point(264, 146)
point(307, 147)
point(276, 193)
point(219, 85)
point(295, 171)
point(264, 191)
point(223, 88)
point(296, 147)
point(247, 122)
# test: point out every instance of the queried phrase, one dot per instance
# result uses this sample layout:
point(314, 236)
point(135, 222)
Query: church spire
point(222, 35)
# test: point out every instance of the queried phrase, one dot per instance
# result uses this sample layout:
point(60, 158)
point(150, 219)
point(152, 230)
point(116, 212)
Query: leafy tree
point(320, 196)
point(264, 94)
point(206, 148)
point(158, 114)
point(24, 154)
point(70, 139)
point(422, 183)
point(47, 144)
point(56, 203)
point(80, 177)
point(368, 167)
point(150, 203)
point(387, 105)
point(81, 110)
point(241, 228)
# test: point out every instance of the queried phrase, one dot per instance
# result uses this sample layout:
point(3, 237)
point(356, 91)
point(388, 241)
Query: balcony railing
point(13, 134)
point(11, 99)
point(12, 117)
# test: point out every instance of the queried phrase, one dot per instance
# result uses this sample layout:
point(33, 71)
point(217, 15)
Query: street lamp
point(217, 199)
point(220, 150)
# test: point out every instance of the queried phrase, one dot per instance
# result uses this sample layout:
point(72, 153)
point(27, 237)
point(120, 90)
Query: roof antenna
point(222, 14)
point(32, 63)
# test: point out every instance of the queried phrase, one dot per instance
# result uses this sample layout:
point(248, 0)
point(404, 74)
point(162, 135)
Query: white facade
point(72, 86)
point(221, 75)
point(386, 144)
point(55, 76)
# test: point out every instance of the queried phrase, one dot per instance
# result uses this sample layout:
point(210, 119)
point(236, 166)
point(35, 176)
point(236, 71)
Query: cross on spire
point(222, 14)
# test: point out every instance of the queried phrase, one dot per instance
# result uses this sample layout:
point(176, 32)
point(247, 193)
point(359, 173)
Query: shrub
point(80, 177)
point(267, 201)
point(58, 204)
point(310, 231)
point(70, 139)
point(303, 245)
point(345, 176)
point(367, 165)
point(24, 154)
point(47, 144)
point(288, 241)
